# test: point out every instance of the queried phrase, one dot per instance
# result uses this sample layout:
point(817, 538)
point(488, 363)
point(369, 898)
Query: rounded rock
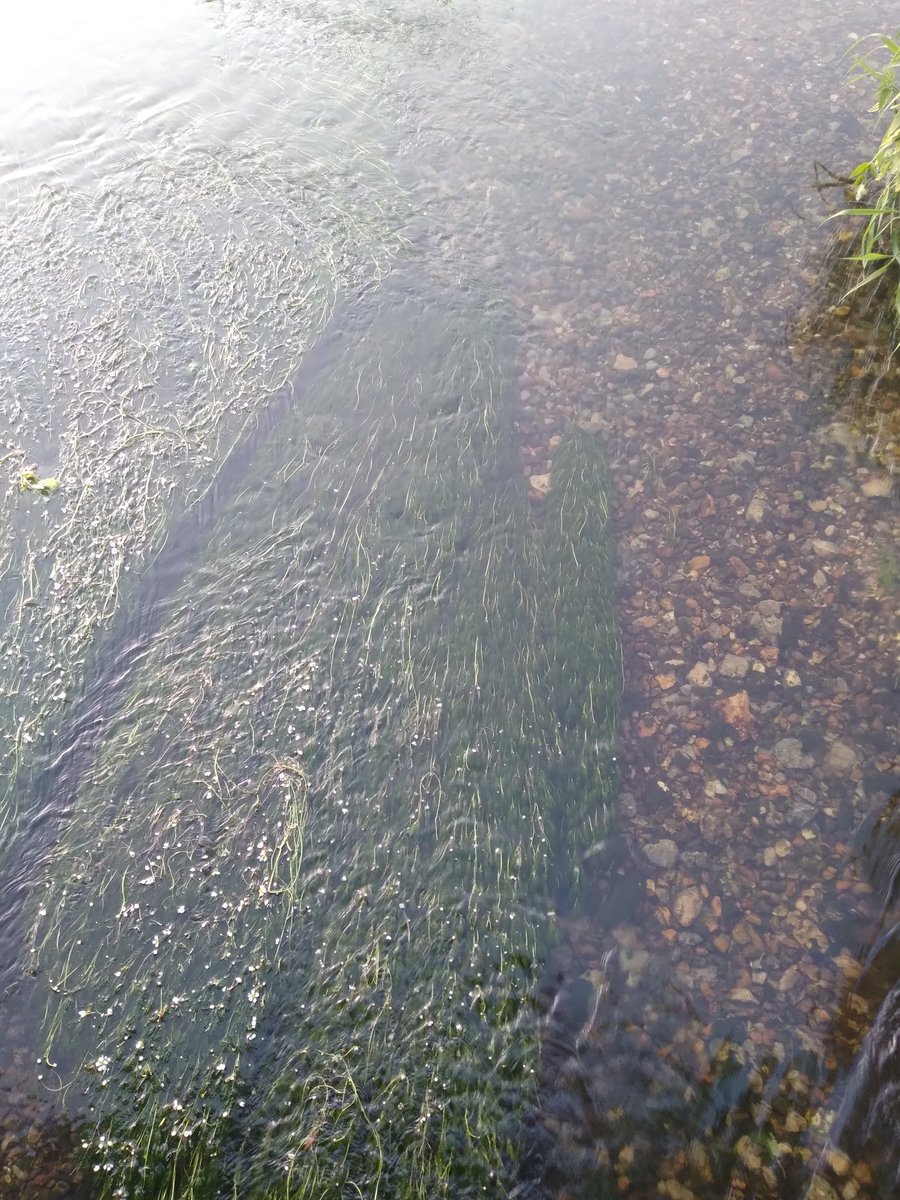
point(663, 853)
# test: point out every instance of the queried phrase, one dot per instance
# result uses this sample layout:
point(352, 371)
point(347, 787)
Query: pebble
point(821, 1189)
point(789, 979)
point(624, 362)
point(790, 754)
point(540, 483)
point(633, 963)
point(756, 509)
point(743, 995)
point(663, 853)
point(688, 904)
point(734, 666)
point(877, 485)
point(699, 676)
point(767, 624)
point(737, 713)
point(674, 1190)
point(839, 1163)
point(749, 1153)
point(841, 758)
point(824, 548)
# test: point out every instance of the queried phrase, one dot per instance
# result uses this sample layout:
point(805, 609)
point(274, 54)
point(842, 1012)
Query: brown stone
point(736, 712)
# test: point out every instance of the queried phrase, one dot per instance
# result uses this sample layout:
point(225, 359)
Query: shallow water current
point(448, 688)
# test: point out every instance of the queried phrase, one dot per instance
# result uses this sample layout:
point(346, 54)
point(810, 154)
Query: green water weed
point(342, 803)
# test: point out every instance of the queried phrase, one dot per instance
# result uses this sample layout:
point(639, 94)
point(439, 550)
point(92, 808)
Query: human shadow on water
point(645, 1094)
point(866, 1126)
point(645, 1091)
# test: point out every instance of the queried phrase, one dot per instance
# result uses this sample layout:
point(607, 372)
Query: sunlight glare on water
point(71, 73)
point(51, 46)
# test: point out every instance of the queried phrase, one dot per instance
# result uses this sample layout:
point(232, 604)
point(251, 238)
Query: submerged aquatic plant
point(154, 326)
point(293, 925)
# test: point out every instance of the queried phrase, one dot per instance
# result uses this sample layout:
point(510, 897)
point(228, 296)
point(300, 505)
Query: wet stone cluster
point(703, 1022)
point(757, 613)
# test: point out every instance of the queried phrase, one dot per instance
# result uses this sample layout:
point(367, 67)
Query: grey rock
point(663, 853)
point(748, 589)
point(699, 675)
point(789, 752)
point(756, 509)
point(841, 758)
point(734, 666)
point(768, 627)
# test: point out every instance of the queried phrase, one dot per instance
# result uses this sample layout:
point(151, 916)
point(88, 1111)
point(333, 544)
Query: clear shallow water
point(191, 194)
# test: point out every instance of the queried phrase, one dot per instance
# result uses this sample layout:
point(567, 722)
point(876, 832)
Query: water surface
point(295, 300)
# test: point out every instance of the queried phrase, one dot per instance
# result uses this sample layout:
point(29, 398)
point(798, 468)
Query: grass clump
point(855, 324)
point(875, 182)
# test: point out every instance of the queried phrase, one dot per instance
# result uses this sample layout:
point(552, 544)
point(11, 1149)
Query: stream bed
point(449, 701)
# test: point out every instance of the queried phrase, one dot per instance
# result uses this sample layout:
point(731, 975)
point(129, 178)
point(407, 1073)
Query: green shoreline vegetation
point(875, 182)
point(851, 330)
point(294, 920)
